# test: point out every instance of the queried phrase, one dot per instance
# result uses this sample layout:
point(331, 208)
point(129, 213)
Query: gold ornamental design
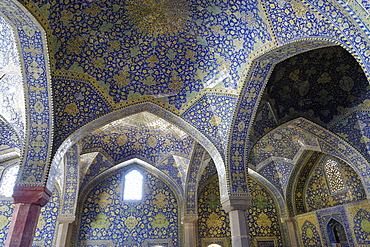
point(156, 18)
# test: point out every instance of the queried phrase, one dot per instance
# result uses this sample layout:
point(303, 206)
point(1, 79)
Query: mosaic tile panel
point(176, 167)
point(263, 217)
point(264, 122)
point(359, 217)
point(278, 174)
point(11, 87)
point(355, 37)
point(348, 129)
point(45, 234)
point(359, 10)
point(363, 124)
point(124, 141)
point(327, 149)
point(106, 217)
point(98, 165)
point(191, 186)
point(71, 186)
point(187, 45)
point(293, 19)
point(212, 115)
point(9, 139)
point(209, 172)
point(283, 142)
point(75, 104)
point(310, 234)
point(318, 194)
point(6, 214)
point(213, 221)
point(298, 182)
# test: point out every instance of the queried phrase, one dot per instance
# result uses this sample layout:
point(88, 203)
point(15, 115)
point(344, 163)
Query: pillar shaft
point(190, 226)
point(28, 202)
point(292, 230)
point(63, 229)
point(239, 229)
point(237, 206)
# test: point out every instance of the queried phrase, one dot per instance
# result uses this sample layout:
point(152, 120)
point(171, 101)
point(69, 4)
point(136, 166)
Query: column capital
point(287, 219)
point(230, 203)
point(189, 219)
point(66, 220)
point(39, 195)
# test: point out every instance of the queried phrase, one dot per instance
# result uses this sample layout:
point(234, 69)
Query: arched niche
point(103, 210)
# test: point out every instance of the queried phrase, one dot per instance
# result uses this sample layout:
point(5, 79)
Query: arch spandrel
point(35, 68)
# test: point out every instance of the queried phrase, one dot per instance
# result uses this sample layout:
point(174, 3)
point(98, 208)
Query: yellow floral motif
point(152, 142)
point(160, 221)
point(122, 139)
point(103, 199)
point(214, 221)
point(365, 224)
point(160, 201)
point(263, 220)
point(41, 223)
point(299, 9)
point(101, 221)
point(131, 222)
point(158, 17)
point(71, 109)
point(3, 221)
point(215, 120)
point(324, 78)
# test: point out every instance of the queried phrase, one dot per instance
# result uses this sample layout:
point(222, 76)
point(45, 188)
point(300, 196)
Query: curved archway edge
point(32, 45)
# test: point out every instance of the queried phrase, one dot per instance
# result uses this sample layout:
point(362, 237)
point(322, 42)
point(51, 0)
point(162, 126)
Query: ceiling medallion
point(157, 18)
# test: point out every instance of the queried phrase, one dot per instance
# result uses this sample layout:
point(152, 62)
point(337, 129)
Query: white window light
point(8, 181)
point(133, 186)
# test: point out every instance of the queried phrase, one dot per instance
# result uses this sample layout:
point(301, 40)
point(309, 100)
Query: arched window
point(8, 180)
point(214, 245)
point(334, 176)
point(133, 186)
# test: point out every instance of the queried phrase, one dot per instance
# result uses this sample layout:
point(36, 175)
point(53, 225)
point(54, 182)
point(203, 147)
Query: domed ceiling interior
point(320, 85)
point(169, 50)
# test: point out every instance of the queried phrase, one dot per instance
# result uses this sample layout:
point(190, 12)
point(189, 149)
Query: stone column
point(190, 226)
point(237, 206)
point(28, 202)
point(292, 230)
point(64, 224)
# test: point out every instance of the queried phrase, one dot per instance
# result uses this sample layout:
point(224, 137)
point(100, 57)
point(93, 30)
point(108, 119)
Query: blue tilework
point(106, 217)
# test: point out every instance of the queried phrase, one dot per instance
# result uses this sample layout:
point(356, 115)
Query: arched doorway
point(336, 233)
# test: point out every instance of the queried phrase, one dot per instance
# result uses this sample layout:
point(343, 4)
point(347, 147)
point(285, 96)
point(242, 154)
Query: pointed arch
point(255, 81)
point(160, 112)
point(275, 193)
point(138, 163)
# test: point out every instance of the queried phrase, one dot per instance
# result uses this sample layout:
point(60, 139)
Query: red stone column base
point(28, 200)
